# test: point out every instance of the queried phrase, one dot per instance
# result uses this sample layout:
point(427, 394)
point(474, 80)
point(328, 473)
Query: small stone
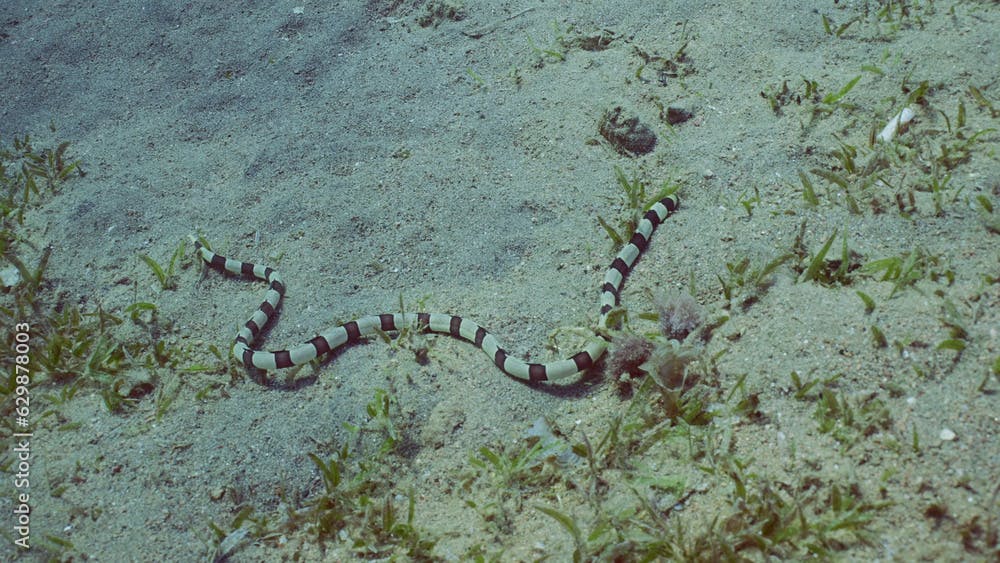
point(627, 135)
point(946, 435)
point(217, 493)
point(678, 115)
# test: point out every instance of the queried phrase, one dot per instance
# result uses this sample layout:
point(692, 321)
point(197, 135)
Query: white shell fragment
point(896, 125)
point(9, 277)
point(946, 435)
point(232, 541)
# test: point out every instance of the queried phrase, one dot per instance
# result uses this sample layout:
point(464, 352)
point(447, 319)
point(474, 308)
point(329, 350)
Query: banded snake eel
point(452, 325)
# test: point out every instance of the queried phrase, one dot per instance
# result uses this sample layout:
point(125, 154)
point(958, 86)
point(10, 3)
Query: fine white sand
point(459, 166)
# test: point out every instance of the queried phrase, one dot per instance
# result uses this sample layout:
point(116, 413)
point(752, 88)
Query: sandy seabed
point(450, 155)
